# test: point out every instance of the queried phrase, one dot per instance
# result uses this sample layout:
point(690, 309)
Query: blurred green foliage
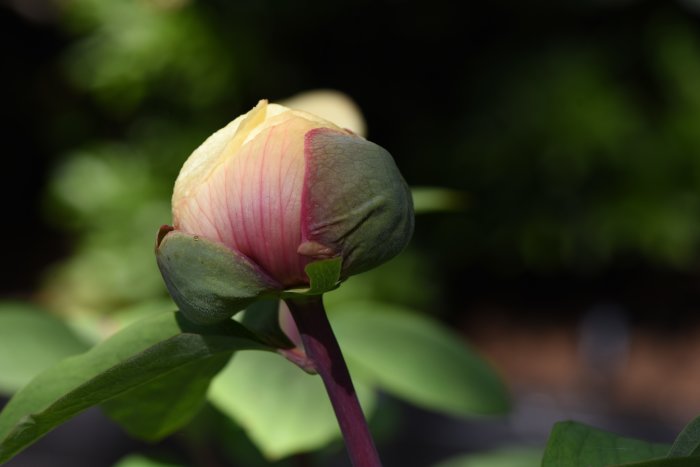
point(20, 357)
point(138, 60)
point(133, 49)
point(567, 152)
point(586, 150)
point(567, 137)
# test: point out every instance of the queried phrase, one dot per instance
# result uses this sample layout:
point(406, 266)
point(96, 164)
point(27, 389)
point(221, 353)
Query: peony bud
point(271, 192)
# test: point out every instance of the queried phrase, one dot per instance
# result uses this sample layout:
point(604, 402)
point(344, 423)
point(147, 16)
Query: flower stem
point(324, 352)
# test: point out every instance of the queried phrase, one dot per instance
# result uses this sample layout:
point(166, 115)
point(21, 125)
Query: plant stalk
point(324, 352)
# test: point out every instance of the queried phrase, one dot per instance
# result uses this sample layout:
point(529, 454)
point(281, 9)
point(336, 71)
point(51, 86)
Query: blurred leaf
point(687, 442)
point(416, 359)
point(30, 342)
point(156, 409)
point(283, 410)
point(96, 184)
point(142, 461)
point(408, 279)
point(137, 355)
point(112, 196)
point(104, 278)
point(577, 445)
point(434, 199)
point(675, 462)
point(126, 56)
point(96, 327)
point(520, 457)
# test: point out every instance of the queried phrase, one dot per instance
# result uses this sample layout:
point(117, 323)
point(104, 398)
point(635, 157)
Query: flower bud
point(277, 189)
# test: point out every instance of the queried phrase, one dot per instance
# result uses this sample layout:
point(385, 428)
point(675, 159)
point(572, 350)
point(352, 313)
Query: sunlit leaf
point(31, 341)
point(283, 409)
point(142, 461)
point(414, 358)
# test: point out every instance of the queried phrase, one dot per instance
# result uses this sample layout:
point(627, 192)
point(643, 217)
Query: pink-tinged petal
point(252, 202)
point(288, 326)
point(243, 188)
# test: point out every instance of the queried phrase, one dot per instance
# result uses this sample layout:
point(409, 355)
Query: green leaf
point(142, 461)
point(156, 409)
point(282, 409)
point(577, 445)
point(324, 276)
point(435, 199)
point(415, 358)
point(139, 354)
point(94, 327)
point(513, 457)
point(687, 443)
point(30, 342)
point(673, 462)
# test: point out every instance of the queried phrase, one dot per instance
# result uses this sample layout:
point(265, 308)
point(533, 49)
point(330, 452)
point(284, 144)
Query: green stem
point(324, 352)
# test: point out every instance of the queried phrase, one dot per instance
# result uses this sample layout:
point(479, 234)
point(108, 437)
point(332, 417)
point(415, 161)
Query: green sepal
point(208, 281)
point(357, 204)
point(324, 276)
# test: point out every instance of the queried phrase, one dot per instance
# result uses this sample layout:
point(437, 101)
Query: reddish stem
point(323, 350)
